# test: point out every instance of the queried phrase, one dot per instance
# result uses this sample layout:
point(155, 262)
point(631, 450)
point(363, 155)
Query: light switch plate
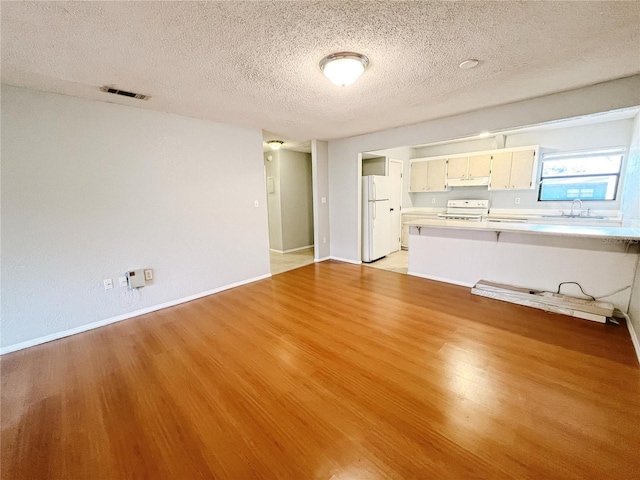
point(148, 274)
point(108, 284)
point(122, 281)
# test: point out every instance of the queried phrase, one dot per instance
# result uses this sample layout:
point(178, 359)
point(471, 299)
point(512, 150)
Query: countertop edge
point(617, 233)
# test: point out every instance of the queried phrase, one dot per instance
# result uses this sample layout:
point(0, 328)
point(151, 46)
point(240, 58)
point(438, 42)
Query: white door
point(395, 202)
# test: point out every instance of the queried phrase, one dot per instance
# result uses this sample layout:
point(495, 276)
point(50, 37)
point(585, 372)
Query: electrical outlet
point(433, 200)
point(517, 200)
point(108, 283)
point(122, 281)
point(256, 204)
point(148, 274)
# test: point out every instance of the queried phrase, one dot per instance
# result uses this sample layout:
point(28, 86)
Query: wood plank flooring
point(330, 371)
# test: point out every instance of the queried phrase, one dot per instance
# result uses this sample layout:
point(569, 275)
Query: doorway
point(288, 177)
point(380, 163)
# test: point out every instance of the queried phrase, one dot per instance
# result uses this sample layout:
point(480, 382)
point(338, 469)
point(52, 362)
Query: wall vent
point(124, 93)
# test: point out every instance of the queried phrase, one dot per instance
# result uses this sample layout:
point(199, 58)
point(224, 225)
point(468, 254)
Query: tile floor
point(282, 262)
point(396, 262)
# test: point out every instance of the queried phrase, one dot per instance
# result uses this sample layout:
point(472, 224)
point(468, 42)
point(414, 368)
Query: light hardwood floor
point(329, 371)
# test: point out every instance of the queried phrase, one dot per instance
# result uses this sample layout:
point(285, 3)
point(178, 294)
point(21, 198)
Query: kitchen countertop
point(616, 233)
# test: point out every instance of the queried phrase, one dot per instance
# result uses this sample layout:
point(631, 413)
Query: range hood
point(468, 182)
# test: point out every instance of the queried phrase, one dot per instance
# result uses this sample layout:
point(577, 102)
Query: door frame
point(388, 169)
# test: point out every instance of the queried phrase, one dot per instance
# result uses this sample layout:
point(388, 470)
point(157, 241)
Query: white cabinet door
point(522, 172)
point(457, 167)
point(437, 178)
point(500, 171)
point(479, 165)
point(418, 176)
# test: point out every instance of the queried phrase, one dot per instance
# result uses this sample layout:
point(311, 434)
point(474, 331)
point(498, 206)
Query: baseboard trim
point(321, 259)
point(440, 279)
point(634, 337)
point(119, 318)
point(290, 250)
point(346, 260)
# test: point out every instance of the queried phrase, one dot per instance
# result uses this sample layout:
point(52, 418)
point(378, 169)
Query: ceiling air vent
point(124, 93)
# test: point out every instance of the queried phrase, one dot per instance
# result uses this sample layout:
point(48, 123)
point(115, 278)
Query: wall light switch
point(148, 274)
point(517, 200)
point(433, 200)
point(324, 239)
point(108, 283)
point(122, 281)
point(324, 199)
point(256, 204)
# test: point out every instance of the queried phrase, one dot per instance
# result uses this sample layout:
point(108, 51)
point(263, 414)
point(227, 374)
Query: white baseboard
point(290, 250)
point(321, 259)
point(346, 260)
point(440, 279)
point(634, 338)
point(119, 318)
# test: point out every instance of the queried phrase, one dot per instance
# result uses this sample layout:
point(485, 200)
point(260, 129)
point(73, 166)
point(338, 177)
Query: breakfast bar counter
point(602, 259)
point(595, 231)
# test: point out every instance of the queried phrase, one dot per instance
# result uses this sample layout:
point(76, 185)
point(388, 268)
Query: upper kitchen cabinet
point(513, 169)
point(418, 176)
point(479, 165)
point(458, 167)
point(437, 179)
point(469, 170)
point(428, 175)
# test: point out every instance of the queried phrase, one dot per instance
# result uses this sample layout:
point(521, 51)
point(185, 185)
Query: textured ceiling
point(256, 63)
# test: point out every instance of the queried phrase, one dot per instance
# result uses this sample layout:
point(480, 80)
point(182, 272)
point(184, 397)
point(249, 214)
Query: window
point(590, 175)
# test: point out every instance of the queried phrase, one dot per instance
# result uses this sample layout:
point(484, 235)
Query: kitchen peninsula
point(603, 260)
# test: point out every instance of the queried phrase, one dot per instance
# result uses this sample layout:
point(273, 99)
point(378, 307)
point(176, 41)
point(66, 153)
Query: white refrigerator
point(376, 217)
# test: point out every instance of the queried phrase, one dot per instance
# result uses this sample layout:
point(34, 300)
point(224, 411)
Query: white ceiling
point(256, 63)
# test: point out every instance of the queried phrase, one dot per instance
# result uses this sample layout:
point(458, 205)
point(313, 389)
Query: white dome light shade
point(343, 68)
point(275, 144)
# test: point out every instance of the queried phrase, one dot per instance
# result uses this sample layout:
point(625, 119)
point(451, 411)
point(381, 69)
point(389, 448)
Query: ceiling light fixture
point(275, 144)
point(344, 68)
point(470, 63)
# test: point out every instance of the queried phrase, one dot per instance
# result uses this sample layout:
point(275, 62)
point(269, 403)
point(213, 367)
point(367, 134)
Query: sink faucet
point(572, 203)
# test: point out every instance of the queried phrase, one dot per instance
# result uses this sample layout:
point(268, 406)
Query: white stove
point(472, 210)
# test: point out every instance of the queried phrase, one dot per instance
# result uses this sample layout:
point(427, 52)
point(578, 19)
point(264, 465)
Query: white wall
point(296, 199)
point(272, 171)
point(91, 189)
point(631, 212)
point(551, 139)
point(320, 174)
point(291, 204)
point(344, 167)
